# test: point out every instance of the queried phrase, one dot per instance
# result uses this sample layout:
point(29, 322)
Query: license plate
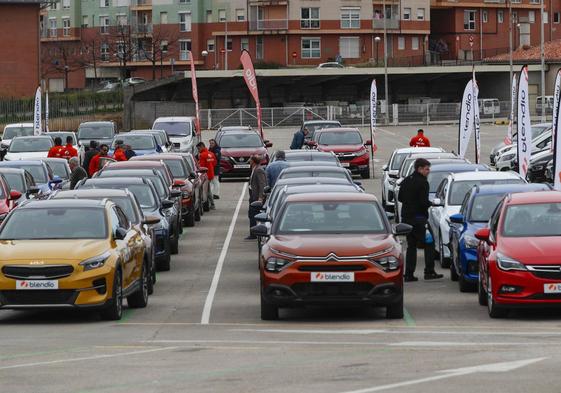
point(552, 288)
point(332, 277)
point(241, 166)
point(346, 164)
point(36, 284)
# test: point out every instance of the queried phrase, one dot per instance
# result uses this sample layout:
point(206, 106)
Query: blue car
point(141, 143)
point(477, 208)
point(44, 178)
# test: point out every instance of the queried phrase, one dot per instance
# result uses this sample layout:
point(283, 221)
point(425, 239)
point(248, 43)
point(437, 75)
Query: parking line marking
point(205, 318)
point(409, 321)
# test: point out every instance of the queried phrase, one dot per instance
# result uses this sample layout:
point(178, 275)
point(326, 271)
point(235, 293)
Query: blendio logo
point(333, 277)
point(36, 285)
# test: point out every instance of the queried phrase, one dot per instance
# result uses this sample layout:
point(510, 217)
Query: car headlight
point(361, 152)
point(167, 212)
point(506, 263)
point(276, 264)
point(470, 241)
point(538, 167)
point(95, 262)
point(388, 263)
point(507, 157)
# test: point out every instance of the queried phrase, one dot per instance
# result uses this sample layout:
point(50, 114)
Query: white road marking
point(50, 362)
point(216, 278)
point(484, 368)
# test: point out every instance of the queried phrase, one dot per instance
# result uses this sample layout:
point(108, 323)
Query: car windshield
point(12, 132)
point(176, 168)
point(37, 172)
point(331, 218)
point(461, 188)
point(142, 192)
point(63, 136)
point(318, 126)
point(533, 220)
point(156, 179)
point(160, 139)
point(294, 175)
point(97, 131)
point(398, 159)
point(15, 182)
point(58, 168)
point(249, 139)
point(434, 179)
point(182, 128)
point(30, 145)
point(483, 207)
point(123, 202)
point(306, 156)
point(55, 223)
point(137, 142)
point(340, 138)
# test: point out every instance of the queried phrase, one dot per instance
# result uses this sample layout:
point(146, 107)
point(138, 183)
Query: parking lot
point(202, 332)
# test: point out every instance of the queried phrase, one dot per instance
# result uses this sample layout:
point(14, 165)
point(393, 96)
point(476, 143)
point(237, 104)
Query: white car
point(29, 148)
point(500, 148)
point(448, 201)
point(331, 64)
point(507, 160)
point(181, 131)
point(14, 130)
point(391, 172)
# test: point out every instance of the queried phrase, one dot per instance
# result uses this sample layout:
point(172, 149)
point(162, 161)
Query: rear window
point(294, 175)
point(459, 189)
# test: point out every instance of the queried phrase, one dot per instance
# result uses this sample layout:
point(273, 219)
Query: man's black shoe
point(216, 197)
point(250, 237)
point(410, 279)
point(433, 276)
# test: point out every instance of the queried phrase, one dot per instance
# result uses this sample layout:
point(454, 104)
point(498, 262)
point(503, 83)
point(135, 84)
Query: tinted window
point(37, 171)
point(340, 138)
point(137, 142)
point(249, 139)
point(293, 175)
point(319, 126)
point(461, 188)
point(12, 132)
point(55, 223)
point(95, 131)
point(177, 169)
point(533, 220)
point(28, 145)
point(434, 179)
point(58, 168)
point(174, 128)
point(142, 192)
point(15, 182)
point(398, 159)
point(483, 207)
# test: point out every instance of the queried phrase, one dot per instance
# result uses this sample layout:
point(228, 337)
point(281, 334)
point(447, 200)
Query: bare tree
point(91, 50)
point(159, 41)
point(124, 46)
point(62, 57)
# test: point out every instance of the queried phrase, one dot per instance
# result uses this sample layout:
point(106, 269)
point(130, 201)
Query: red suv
point(519, 263)
point(335, 248)
point(348, 146)
point(237, 147)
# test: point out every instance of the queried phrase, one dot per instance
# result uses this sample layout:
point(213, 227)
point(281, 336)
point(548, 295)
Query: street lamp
point(377, 40)
point(204, 54)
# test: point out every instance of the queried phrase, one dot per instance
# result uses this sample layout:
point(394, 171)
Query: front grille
point(37, 272)
point(328, 268)
point(240, 160)
point(39, 297)
point(548, 272)
point(177, 145)
point(339, 290)
point(546, 296)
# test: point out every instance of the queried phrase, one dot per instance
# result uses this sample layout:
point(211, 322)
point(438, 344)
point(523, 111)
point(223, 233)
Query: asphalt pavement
point(201, 331)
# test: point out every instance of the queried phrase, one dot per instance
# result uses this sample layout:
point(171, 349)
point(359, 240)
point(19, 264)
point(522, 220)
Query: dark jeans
point(416, 239)
point(251, 213)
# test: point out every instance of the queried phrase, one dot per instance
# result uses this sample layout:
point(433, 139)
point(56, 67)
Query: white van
point(14, 130)
point(181, 131)
point(548, 101)
point(489, 106)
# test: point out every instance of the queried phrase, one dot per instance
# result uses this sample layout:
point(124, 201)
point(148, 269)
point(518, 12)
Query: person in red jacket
point(94, 163)
point(69, 151)
point(119, 154)
point(419, 140)
point(56, 150)
point(207, 160)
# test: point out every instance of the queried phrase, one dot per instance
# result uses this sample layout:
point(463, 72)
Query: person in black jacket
point(90, 153)
point(414, 195)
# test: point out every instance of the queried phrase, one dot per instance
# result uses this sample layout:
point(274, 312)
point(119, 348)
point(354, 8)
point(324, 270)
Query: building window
point(66, 27)
point(163, 18)
point(514, 17)
point(229, 44)
point(208, 16)
point(309, 18)
point(184, 1)
point(556, 17)
point(66, 4)
point(210, 45)
point(52, 27)
point(222, 15)
point(259, 48)
point(531, 16)
point(500, 16)
point(311, 48)
point(184, 21)
point(104, 52)
point(401, 43)
point(184, 48)
point(485, 14)
point(104, 24)
point(104, 3)
point(244, 44)
point(534, 1)
point(545, 17)
point(350, 18)
point(469, 20)
point(85, 21)
point(415, 43)
point(407, 13)
point(240, 14)
point(420, 14)
point(349, 47)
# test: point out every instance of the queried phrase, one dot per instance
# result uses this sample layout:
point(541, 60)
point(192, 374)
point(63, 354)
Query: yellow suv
point(72, 253)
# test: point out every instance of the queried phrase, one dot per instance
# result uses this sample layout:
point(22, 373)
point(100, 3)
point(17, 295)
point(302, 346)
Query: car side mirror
point(267, 190)
point(151, 220)
point(262, 217)
point(167, 204)
point(256, 204)
point(368, 142)
point(120, 233)
point(32, 191)
point(259, 230)
point(483, 234)
point(15, 195)
point(402, 229)
point(175, 193)
point(457, 218)
point(437, 202)
point(385, 167)
point(178, 183)
point(268, 144)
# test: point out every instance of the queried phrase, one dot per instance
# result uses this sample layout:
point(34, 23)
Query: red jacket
point(55, 152)
point(419, 141)
point(119, 155)
point(207, 160)
point(94, 164)
point(69, 151)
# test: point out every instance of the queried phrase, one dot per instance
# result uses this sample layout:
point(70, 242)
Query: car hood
point(50, 251)
point(322, 245)
point(340, 148)
point(26, 156)
point(243, 151)
point(532, 250)
point(180, 138)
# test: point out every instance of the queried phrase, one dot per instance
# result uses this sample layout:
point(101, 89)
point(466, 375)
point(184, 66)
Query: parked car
point(20, 180)
point(448, 200)
point(102, 132)
point(308, 155)
point(519, 253)
point(538, 166)
point(42, 174)
point(107, 257)
point(161, 136)
point(508, 159)
point(331, 64)
point(331, 249)
point(181, 131)
point(200, 178)
point(475, 212)
point(314, 125)
point(29, 148)
point(237, 148)
point(141, 143)
point(500, 148)
point(12, 131)
point(133, 81)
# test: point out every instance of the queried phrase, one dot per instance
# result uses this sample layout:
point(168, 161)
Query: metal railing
point(268, 24)
point(391, 23)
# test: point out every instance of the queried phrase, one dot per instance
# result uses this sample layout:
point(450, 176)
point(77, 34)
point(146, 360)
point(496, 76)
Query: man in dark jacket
point(298, 139)
point(90, 153)
point(257, 183)
point(77, 172)
point(414, 195)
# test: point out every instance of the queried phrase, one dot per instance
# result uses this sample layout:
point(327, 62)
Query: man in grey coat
point(257, 183)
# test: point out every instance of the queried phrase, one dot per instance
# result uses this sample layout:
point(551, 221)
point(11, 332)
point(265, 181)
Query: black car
point(538, 166)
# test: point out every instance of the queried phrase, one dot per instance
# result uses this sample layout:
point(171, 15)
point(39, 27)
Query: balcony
point(142, 29)
point(391, 23)
point(268, 24)
point(141, 5)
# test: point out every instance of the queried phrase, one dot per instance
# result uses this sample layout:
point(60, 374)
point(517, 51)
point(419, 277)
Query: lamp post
point(542, 58)
point(377, 40)
point(386, 96)
point(204, 54)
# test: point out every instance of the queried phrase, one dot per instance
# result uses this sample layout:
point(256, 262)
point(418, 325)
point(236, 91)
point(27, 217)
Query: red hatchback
point(520, 253)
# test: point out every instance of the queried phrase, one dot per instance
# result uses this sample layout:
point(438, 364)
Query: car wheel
point(164, 262)
point(395, 310)
point(495, 311)
point(113, 311)
point(139, 299)
point(189, 219)
point(365, 174)
point(481, 295)
point(444, 262)
point(174, 246)
point(269, 312)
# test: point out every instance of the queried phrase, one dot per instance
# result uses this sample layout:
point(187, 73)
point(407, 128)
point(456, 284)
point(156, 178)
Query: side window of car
point(464, 208)
point(123, 220)
point(29, 180)
point(114, 220)
point(441, 191)
point(494, 222)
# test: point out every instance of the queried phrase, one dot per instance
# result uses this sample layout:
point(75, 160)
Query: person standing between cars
point(119, 154)
point(68, 150)
point(90, 153)
point(419, 140)
point(129, 152)
point(257, 183)
point(94, 163)
point(208, 161)
point(56, 150)
point(77, 173)
point(275, 168)
point(414, 195)
point(217, 151)
point(299, 138)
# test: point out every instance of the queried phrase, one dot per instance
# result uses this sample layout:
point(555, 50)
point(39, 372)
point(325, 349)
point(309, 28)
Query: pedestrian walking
point(91, 152)
point(56, 150)
point(208, 161)
point(68, 150)
point(77, 173)
point(119, 153)
point(419, 140)
point(95, 161)
point(217, 151)
point(275, 168)
point(414, 195)
point(299, 138)
point(257, 183)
